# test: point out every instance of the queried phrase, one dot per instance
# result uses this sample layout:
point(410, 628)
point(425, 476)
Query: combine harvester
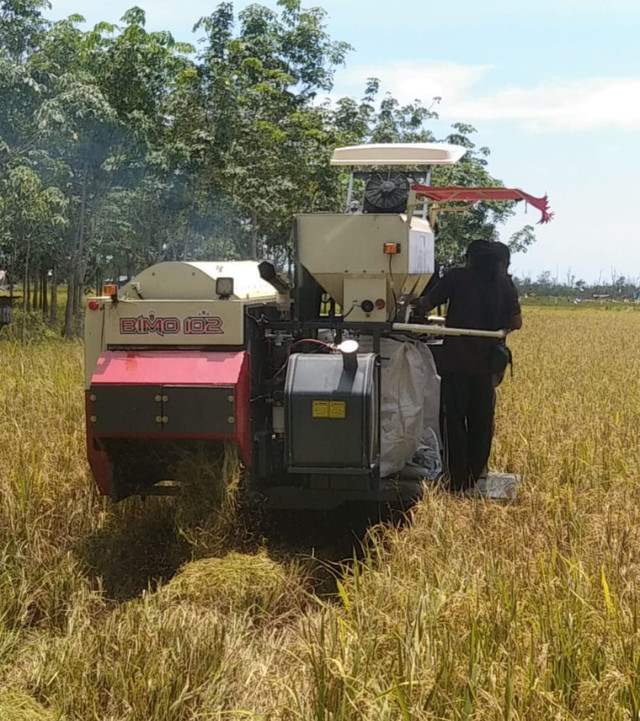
point(330, 394)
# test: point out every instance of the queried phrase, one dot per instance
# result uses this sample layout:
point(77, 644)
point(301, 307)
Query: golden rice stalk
point(207, 509)
point(16, 705)
point(237, 583)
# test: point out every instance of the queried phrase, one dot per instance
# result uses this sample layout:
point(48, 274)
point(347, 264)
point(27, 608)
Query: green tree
point(105, 120)
point(29, 212)
point(162, 153)
point(271, 143)
point(21, 26)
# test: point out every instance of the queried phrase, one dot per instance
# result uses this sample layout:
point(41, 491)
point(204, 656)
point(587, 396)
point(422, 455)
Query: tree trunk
point(76, 296)
point(81, 268)
point(27, 291)
point(53, 309)
point(67, 331)
point(44, 298)
point(34, 302)
point(79, 324)
point(25, 295)
point(75, 277)
point(254, 237)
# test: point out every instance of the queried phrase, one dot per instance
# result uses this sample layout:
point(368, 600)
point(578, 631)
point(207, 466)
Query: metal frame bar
point(349, 190)
point(444, 330)
point(377, 330)
point(425, 205)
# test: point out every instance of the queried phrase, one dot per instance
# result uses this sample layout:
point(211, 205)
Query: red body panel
point(172, 368)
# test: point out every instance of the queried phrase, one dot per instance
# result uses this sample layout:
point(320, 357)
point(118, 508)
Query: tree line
point(121, 147)
point(548, 285)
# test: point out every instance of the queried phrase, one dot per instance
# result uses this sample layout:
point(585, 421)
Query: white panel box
point(421, 252)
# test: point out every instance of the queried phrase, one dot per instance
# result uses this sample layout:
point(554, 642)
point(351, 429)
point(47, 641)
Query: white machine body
point(374, 263)
point(176, 304)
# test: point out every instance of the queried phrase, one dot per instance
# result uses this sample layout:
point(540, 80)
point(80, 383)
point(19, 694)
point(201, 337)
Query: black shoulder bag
point(501, 356)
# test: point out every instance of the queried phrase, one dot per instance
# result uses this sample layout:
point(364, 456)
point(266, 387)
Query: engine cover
point(331, 415)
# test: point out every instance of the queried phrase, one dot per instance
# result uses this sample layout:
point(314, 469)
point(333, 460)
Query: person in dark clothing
point(504, 260)
point(503, 254)
point(480, 297)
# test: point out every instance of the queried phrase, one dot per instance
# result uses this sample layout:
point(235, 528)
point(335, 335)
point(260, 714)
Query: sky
point(552, 87)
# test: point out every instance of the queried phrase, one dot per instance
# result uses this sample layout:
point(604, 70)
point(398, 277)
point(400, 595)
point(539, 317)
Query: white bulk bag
point(409, 402)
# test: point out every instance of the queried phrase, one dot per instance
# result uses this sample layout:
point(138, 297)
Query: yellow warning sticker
point(320, 409)
point(329, 409)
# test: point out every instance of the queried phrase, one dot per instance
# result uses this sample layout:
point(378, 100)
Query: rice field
point(471, 610)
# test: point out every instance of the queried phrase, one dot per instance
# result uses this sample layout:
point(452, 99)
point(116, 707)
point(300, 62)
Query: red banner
point(456, 194)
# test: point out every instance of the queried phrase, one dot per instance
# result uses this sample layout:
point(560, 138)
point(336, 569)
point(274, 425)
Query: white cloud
point(411, 81)
point(570, 105)
point(556, 104)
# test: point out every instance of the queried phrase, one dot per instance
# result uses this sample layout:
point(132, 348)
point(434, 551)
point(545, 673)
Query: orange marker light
point(391, 248)
point(111, 289)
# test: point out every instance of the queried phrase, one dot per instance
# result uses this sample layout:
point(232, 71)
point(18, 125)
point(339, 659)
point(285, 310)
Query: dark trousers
point(468, 401)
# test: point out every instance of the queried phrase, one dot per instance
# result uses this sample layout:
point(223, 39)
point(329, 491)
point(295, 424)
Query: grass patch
point(474, 610)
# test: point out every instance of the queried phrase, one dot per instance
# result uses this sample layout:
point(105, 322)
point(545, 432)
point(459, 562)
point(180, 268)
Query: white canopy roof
point(398, 154)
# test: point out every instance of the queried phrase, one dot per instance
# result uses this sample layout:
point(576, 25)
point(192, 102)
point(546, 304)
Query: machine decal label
point(328, 409)
point(320, 409)
point(163, 325)
point(203, 325)
point(337, 409)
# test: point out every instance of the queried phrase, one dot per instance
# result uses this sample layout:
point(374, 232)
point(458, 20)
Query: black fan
point(386, 193)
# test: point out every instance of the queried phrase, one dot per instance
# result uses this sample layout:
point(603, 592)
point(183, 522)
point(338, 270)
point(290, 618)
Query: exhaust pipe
point(349, 350)
point(268, 272)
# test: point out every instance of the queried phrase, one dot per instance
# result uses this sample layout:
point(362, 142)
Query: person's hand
point(419, 305)
point(419, 309)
